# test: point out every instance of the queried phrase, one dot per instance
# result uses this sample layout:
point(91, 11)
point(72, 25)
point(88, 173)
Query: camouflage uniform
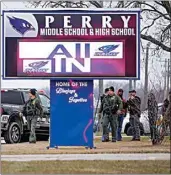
point(135, 113)
point(32, 110)
point(101, 118)
point(110, 106)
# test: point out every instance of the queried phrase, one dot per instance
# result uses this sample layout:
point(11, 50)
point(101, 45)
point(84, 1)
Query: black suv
point(13, 125)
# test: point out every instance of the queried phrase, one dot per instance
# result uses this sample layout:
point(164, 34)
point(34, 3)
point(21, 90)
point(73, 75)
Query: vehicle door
point(45, 101)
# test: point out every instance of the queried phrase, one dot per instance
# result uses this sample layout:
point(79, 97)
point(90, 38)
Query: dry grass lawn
point(86, 167)
point(126, 146)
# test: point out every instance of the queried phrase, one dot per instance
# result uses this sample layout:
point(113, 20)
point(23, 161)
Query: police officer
point(112, 106)
point(32, 110)
point(165, 106)
point(122, 115)
point(101, 111)
point(134, 105)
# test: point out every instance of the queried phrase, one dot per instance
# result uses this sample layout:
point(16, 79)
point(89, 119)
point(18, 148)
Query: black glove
point(114, 110)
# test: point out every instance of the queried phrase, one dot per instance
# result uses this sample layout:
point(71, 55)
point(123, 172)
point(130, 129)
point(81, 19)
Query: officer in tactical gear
point(134, 107)
point(165, 106)
point(112, 106)
point(122, 115)
point(32, 110)
point(103, 113)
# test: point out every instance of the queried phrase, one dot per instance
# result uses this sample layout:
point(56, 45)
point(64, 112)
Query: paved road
point(46, 157)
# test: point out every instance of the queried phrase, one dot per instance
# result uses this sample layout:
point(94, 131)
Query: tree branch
point(161, 14)
point(167, 6)
point(96, 4)
point(167, 28)
point(155, 10)
point(154, 41)
point(151, 23)
point(129, 3)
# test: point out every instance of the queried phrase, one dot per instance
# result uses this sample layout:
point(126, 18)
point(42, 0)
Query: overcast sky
point(155, 67)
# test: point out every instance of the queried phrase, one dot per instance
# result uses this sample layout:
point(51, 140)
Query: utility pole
point(146, 76)
point(135, 84)
point(100, 87)
point(68, 4)
point(130, 84)
point(170, 55)
point(165, 74)
point(101, 81)
point(165, 79)
point(168, 77)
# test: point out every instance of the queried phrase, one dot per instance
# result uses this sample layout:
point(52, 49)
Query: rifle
point(110, 108)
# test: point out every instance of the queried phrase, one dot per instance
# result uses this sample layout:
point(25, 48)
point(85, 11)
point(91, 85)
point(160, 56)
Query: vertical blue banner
point(71, 113)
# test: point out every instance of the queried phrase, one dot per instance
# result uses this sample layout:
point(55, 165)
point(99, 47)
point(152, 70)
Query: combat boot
point(133, 139)
point(32, 142)
point(105, 139)
point(137, 139)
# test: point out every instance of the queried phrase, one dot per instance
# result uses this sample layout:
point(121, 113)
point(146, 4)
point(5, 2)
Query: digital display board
point(48, 44)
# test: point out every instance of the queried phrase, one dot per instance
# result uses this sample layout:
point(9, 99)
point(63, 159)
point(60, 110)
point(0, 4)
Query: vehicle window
point(11, 97)
point(26, 96)
point(45, 101)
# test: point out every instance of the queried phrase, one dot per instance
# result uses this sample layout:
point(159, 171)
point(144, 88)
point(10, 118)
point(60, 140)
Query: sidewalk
point(69, 157)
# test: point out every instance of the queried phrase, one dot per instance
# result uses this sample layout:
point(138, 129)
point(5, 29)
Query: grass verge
point(86, 167)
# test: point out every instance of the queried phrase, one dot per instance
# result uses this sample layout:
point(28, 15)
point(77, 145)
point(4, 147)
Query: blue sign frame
point(71, 119)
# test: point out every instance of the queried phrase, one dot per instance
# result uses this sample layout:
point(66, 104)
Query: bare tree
point(156, 17)
point(59, 4)
point(155, 25)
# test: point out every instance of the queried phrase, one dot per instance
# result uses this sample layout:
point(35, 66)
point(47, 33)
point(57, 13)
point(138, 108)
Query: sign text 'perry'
point(106, 21)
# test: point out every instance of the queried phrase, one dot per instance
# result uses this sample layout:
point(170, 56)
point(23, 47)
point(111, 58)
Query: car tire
point(13, 134)
point(129, 131)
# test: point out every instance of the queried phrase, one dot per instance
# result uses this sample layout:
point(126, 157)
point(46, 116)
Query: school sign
point(71, 43)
